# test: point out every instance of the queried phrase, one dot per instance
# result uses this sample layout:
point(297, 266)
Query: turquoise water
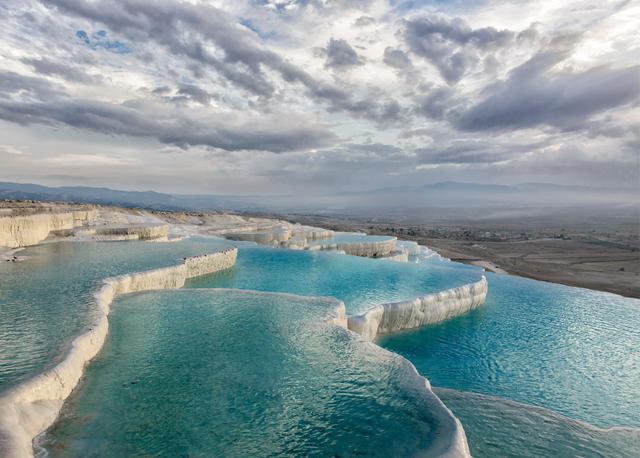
point(359, 282)
point(47, 300)
point(236, 373)
point(571, 350)
point(497, 427)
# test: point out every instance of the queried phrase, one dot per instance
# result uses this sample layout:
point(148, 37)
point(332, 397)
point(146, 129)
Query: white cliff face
point(273, 237)
point(397, 256)
point(284, 235)
point(154, 232)
point(451, 439)
point(409, 247)
point(30, 408)
point(372, 249)
point(135, 232)
point(432, 308)
point(24, 230)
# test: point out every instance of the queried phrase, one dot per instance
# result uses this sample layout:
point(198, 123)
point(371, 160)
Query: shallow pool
point(359, 282)
point(47, 300)
point(496, 427)
point(571, 350)
point(237, 373)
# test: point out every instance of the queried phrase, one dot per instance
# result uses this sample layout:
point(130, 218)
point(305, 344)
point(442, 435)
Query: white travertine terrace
point(451, 439)
point(409, 247)
point(276, 237)
point(403, 251)
point(370, 249)
point(28, 409)
point(24, 230)
point(413, 313)
point(117, 233)
point(292, 236)
point(397, 256)
point(131, 232)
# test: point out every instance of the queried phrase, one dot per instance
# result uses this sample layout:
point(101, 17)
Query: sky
point(277, 97)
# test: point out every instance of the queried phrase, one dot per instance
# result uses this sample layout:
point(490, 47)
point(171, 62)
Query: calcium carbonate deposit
point(295, 374)
point(24, 230)
point(32, 406)
point(414, 313)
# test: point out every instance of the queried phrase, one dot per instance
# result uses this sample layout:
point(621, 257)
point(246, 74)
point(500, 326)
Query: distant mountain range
point(145, 199)
point(444, 196)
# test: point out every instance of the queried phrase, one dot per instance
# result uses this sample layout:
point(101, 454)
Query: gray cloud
point(422, 132)
point(186, 93)
point(15, 85)
point(437, 103)
point(223, 82)
point(379, 151)
point(120, 120)
point(341, 55)
point(243, 56)
point(397, 58)
point(45, 66)
point(475, 152)
point(162, 90)
point(164, 23)
point(531, 97)
point(364, 21)
point(450, 44)
point(294, 7)
point(193, 92)
point(51, 107)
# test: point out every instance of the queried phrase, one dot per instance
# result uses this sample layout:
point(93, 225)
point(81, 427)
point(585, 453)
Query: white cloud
point(82, 160)
point(11, 150)
point(246, 77)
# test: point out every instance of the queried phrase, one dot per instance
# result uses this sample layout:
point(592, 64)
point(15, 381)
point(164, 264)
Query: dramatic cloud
point(451, 45)
point(188, 92)
point(297, 95)
point(14, 86)
point(563, 99)
point(44, 105)
point(243, 59)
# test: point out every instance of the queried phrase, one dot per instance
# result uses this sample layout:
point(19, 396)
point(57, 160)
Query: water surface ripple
point(238, 373)
point(570, 350)
point(47, 300)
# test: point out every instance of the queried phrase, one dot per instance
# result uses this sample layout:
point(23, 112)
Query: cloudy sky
point(295, 96)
